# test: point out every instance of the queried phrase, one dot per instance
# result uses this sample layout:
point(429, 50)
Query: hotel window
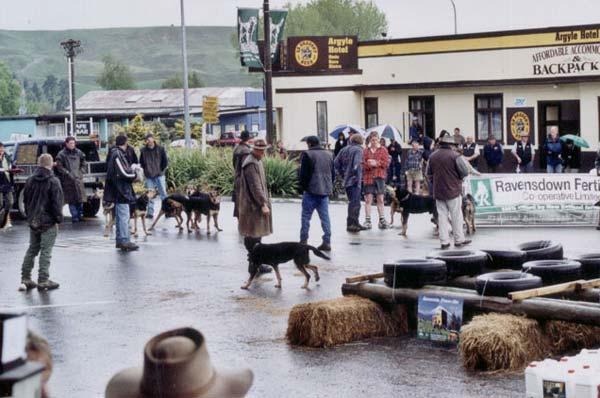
point(322, 120)
point(488, 116)
point(423, 109)
point(371, 112)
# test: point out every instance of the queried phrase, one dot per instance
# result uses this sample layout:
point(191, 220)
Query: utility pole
point(186, 101)
point(268, 72)
point(454, 9)
point(72, 49)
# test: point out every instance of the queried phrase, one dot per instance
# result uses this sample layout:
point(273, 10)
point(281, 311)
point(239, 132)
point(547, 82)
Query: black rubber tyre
point(91, 207)
point(506, 259)
point(554, 271)
point(461, 262)
point(542, 250)
point(590, 265)
point(414, 273)
point(501, 283)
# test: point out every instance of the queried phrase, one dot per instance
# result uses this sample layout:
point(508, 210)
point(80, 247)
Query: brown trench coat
point(252, 196)
point(239, 155)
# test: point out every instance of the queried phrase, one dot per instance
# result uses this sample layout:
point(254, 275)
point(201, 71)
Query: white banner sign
point(535, 199)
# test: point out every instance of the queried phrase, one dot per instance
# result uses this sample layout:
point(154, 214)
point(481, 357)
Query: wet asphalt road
point(110, 303)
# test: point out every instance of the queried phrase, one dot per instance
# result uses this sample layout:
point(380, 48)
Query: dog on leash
point(279, 253)
point(139, 208)
point(407, 203)
point(171, 206)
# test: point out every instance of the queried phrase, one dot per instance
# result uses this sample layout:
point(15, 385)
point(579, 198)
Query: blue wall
point(16, 126)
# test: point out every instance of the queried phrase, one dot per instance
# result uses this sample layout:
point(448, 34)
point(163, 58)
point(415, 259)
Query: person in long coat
point(239, 155)
point(255, 219)
point(71, 167)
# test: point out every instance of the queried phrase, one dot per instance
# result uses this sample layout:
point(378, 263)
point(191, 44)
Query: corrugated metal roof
point(156, 100)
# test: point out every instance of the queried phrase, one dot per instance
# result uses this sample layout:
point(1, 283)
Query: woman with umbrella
point(340, 143)
point(571, 155)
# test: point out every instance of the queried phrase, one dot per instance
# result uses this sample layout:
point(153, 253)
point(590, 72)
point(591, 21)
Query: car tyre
point(506, 259)
point(461, 262)
point(542, 250)
point(414, 273)
point(554, 271)
point(590, 265)
point(501, 283)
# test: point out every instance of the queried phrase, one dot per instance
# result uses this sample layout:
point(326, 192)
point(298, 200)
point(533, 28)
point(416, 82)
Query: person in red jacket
point(375, 164)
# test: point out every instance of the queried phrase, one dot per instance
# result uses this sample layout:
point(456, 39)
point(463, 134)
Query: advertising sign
point(535, 199)
point(248, 37)
point(439, 318)
point(578, 59)
point(322, 53)
point(210, 109)
point(518, 121)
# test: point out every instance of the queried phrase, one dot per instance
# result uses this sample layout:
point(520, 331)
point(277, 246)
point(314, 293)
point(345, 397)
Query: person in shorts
point(414, 168)
point(375, 164)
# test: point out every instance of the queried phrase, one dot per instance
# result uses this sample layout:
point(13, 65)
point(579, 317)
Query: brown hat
point(448, 139)
point(177, 364)
point(259, 144)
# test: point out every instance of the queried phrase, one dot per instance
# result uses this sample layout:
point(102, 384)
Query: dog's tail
point(318, 252)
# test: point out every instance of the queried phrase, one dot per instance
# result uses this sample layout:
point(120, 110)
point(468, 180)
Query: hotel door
point(562, 114)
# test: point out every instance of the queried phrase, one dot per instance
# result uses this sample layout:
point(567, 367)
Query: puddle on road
point(174, 295)
point(261, 304)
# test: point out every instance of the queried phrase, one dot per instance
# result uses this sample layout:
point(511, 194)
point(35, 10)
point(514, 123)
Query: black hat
point(245, 136)
point(313, 140)
point(149, 135)
point(121, 140)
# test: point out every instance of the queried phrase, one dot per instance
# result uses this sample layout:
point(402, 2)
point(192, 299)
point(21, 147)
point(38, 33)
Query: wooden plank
point(546, 290)
point(364, 278)
point(537, 308)
point(590, 284)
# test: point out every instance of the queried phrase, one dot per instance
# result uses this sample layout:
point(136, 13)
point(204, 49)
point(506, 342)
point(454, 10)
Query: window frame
point(372, 100)
point(490, 111)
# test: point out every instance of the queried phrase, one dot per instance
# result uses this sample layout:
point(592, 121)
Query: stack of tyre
point(533, 264)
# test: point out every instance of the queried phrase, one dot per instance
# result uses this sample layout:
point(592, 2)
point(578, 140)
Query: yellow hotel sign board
point(210, 109)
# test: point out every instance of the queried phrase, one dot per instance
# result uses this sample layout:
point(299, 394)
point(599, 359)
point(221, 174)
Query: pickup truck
point(25, 154)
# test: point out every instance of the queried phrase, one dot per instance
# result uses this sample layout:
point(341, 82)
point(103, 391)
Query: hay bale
point(496, 342)
point(567, 336)
point(342, 320)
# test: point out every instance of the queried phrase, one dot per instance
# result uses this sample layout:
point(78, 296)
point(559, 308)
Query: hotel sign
point(322, 53)
point(580, 59)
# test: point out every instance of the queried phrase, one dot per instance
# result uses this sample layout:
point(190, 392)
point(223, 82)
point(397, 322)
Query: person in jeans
point(375, 165)
point(348, 164)
point(316, 180)
point(414, 168)
point(523, 151)
point(493, 153)
point(6, 186)
point(71, 167)
point(154, 162)
point(119, 177)
point(553, 148)
point(43, 204)
point(448, 168)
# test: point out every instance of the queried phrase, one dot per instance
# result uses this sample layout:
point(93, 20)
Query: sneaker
point(47, 285)
point(325, 247)
point(27, 284)
point(367, 224)
point(463, 243)
point(445, 246)
point(383, 224)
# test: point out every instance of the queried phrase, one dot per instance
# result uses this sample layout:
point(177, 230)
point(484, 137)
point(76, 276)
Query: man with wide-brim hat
point(177, 364)
point(447, 169)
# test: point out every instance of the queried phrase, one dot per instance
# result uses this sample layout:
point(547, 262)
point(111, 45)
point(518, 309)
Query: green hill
point(153, 54)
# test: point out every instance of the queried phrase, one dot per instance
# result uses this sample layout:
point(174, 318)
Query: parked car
point(25, 154)
point(228, 139)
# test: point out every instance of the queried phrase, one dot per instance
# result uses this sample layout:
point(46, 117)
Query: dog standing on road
point(407, 203)
point(171, 206)
point(202, 204)
point(468, 209)
point(279, 253)
point(139, 208)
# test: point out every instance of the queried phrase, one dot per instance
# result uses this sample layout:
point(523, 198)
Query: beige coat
point(252, 196)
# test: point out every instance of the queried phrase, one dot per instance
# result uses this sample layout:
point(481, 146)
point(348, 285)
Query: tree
point(62, 95)
point(336, 17)
point(35, 92)
point(179, 131)
point(176, 81)
point(49, 88)
point(136, 130)
point(10, 92)
point(115, 75)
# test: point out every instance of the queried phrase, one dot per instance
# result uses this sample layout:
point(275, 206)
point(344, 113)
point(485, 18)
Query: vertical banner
point(520, 120)
point(278, 18)
point(248, 37)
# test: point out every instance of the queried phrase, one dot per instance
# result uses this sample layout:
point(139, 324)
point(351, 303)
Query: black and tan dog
point(407, 203)
point(468, 209)
point(202, 204)
point(139, 208)
point(279, 253)
point(171, 206)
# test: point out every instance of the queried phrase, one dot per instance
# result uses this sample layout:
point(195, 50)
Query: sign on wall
point(535, 199)
point(579, 59)
point(322, 53)
point(519, 121)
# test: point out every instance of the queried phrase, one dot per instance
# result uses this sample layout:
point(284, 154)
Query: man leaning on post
point(43, 206)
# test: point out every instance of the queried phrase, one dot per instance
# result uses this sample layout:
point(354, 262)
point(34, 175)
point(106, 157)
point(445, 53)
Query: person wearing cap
point(119, 177)
point(316, 180)
point(524, 153)
point(415, 129)
point(177, 365)
point(254, 218)
point(43, 205)
point(493, 153)
point(6, 186)
point(71, 167)
point(239, 155)
point(154, 162)
point(448, 168)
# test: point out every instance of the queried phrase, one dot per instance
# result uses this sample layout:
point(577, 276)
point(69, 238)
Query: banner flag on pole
point(248, 37)
point(278, 18)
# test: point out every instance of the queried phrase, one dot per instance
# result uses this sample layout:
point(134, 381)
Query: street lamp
point(72, 49)
point(454, 9)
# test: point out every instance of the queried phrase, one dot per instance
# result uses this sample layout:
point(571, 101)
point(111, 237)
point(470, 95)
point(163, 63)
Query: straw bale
point(342, 320)
point(567, 336)
point(501, 342)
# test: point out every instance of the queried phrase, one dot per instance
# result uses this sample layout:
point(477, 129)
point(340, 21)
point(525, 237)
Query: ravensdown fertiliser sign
point(535, 199)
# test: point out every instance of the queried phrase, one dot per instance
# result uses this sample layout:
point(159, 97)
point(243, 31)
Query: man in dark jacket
point(154, 162)
point(395, 168)
point(239, 155)
point(71, 167)
point(553, 148)
point(43, 204)
point(316, 179)
point(572, 157)
point(493, 153)
point(448, 168)
point(119, 177)
point(348, 164)
point(6, 187)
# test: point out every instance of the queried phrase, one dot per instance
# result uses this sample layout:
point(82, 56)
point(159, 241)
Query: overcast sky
point(406, 18)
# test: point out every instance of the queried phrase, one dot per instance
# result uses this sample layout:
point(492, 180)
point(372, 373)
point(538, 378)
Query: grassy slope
point(153, 54)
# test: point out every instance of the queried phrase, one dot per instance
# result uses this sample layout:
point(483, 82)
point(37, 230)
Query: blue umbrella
point(388, 131)
point(346, 129)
